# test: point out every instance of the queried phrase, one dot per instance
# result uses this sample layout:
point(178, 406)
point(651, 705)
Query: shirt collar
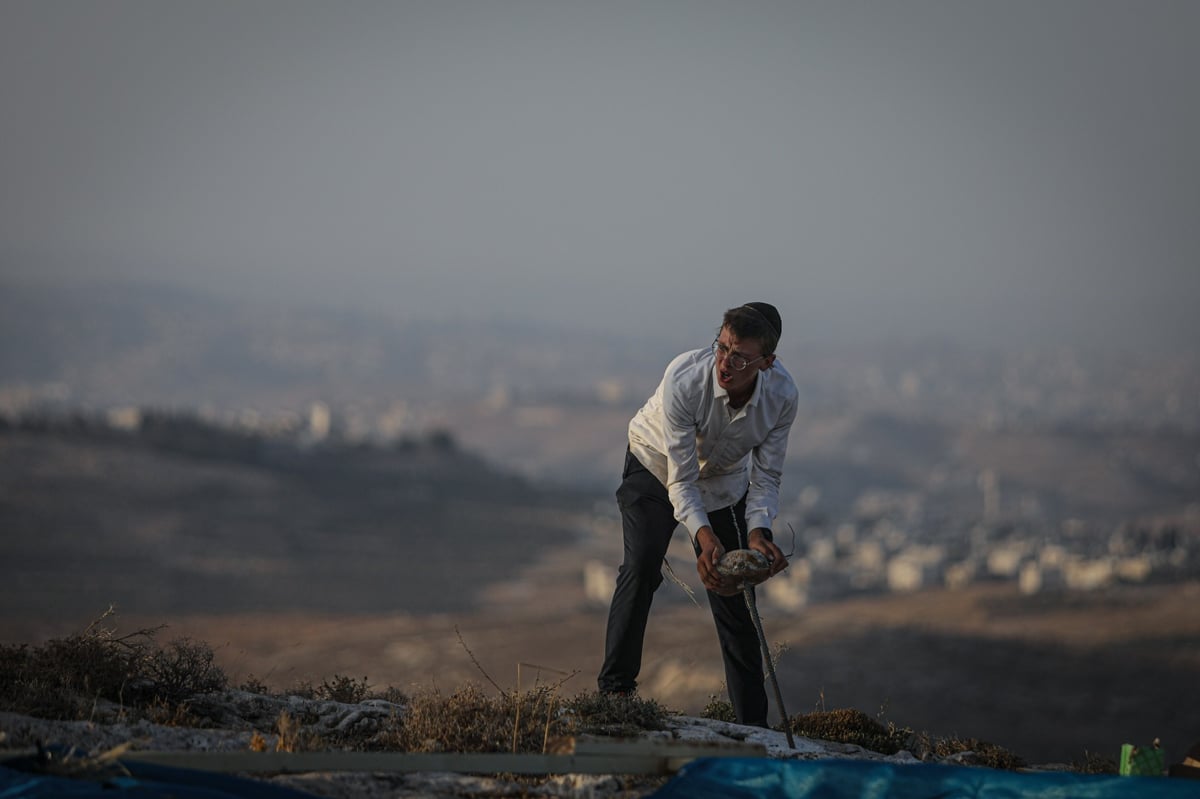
point(719, 391)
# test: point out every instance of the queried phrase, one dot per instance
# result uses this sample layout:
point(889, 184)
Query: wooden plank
point(670, 748)
point(589, 757)
point(459, 762)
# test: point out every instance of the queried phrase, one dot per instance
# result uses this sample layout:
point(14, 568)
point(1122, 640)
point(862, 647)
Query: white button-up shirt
point(708, 454)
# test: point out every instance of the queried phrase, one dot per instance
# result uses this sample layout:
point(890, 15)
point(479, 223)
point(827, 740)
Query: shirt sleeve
point(683, 461)
point(762, 500)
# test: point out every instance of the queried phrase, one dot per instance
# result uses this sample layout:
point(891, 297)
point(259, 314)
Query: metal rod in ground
point(752, 606)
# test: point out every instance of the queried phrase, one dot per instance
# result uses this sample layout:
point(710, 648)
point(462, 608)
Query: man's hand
point(759, 543)
point(706, 563)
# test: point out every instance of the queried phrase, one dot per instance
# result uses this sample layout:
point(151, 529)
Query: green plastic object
point(1142, 761)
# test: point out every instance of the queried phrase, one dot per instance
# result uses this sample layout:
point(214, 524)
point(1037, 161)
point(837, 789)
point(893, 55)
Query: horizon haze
point(1002, 174)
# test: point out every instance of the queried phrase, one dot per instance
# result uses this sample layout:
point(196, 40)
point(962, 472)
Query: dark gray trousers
point(648, 522)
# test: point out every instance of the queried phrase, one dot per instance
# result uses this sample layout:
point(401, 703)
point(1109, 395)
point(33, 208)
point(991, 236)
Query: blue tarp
point(764, 778)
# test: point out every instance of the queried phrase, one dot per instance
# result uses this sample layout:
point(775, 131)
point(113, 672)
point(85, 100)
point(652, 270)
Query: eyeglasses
point(734, 359)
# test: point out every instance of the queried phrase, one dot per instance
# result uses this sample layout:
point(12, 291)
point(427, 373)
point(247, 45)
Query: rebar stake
point(752, 606)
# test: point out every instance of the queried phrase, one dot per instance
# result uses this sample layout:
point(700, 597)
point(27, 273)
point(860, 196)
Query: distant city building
point(126, 418)
point(320, 422)
point(1088, 575)
point(1005, 560)
point(599, 581)
point(916, 567)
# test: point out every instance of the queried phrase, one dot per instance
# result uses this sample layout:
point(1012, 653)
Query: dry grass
point(471, 720)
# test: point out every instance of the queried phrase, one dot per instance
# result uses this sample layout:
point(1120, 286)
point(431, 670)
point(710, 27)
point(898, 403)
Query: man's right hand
point(706, 563)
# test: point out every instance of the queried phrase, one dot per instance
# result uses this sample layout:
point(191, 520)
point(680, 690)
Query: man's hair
point(757, 320)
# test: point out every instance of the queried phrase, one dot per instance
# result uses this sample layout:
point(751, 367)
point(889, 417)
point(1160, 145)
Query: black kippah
point(769, 315)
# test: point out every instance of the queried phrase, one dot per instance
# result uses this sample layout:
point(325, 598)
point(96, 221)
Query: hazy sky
point(1000, 171)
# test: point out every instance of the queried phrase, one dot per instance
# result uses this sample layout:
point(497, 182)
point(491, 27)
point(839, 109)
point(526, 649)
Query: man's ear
point(767, 362)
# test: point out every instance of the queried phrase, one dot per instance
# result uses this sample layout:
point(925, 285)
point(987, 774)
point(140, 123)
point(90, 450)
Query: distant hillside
point(180, 517)
point(101, 344)
point(1061, 433)
point(145, 344)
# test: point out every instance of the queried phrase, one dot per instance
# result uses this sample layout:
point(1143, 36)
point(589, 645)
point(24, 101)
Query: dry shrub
point(614, 714)
point(344, 689)
point(851, 726)
point(64, 678)
point(983, 753)
point(183, 669)
point(719, 709)
point(1094, 763)
point(254, 685)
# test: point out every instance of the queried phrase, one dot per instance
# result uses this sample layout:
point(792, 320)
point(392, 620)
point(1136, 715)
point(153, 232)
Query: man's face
point(732, 380)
